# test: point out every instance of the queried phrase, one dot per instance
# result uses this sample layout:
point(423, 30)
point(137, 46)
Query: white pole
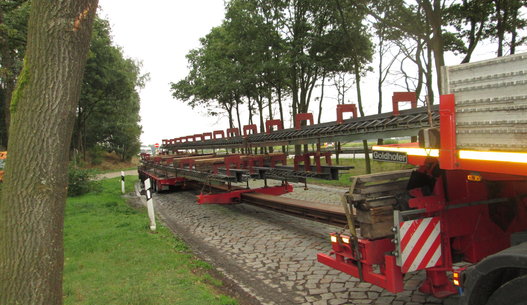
point(150, 205)
point(122, 182)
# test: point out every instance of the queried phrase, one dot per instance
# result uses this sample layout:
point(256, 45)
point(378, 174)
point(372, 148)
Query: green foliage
point(108, 110)
point(265, 50)
point(96, 155)
point(13, 31)
point(111, 258)
point(80, 181)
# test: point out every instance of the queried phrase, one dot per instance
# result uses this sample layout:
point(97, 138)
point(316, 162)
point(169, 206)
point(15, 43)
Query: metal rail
point(328, 214)
point(385, 125)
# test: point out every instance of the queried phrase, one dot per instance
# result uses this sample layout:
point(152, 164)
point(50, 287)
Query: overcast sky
point(161, 32)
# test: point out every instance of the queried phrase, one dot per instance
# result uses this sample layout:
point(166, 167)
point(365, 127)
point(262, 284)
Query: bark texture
point(34, 191)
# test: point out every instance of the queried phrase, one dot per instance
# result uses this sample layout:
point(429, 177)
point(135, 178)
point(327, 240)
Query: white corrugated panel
point(491, 103)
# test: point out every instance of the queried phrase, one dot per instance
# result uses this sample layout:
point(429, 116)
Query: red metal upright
point(301, 117)
point(343, 108)
point(269, 124)
point(399, 97)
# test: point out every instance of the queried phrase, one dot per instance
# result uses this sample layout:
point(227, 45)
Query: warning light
point(474, 178)
point(333, 239)
point(456, 278)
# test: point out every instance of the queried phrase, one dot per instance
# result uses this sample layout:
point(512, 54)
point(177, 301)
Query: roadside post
point(150, 204)
point(122, 182)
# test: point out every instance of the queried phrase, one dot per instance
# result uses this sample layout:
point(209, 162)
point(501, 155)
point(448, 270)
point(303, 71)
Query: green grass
point(111, 258)
point(360, 169)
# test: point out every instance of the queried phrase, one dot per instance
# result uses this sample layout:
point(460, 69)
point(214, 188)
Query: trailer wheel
point(511, 293)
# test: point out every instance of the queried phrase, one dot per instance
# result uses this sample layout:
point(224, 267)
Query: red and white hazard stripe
point(420, 244)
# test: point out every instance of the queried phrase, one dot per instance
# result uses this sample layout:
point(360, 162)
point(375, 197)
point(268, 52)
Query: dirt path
point(132, 172)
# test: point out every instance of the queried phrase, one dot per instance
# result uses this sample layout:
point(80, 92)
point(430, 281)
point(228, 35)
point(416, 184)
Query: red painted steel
point(233, 162)
point(275, 159)
point(399, 97)
point(217, 133)
point(447, 113)
point(344, 108)
point(301, 117)
point(252, 128)
point(373, 252)
point(273, 123)
point(233, 132)
point(207, 136)
point(234, 196)
point(305, 160)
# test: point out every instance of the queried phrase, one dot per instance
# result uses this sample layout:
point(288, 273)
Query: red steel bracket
point(233, 132)
point(373, 253)
point(275, 159)
point(200, 136)
point(341, 109)
point(301, 117)
point(232, 162)
point(207, 135)
point(273, 123)
point(251, 127)
point(235, 196)
point(399, 97)
point(217, 133)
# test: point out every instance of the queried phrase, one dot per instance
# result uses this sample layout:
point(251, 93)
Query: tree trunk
point(359, 102)
point(35, 184)
point(270, 100)
point(238, 115)
point(321, 99)
point(433, 13)
point(249, 105)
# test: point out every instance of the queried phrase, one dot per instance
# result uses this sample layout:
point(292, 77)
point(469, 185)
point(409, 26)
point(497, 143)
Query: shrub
point(80, 181)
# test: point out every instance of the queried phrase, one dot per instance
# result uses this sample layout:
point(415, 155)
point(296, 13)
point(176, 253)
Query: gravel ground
point(271, 258)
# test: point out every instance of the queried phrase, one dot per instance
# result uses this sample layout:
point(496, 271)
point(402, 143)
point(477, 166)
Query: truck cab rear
point(465, 204)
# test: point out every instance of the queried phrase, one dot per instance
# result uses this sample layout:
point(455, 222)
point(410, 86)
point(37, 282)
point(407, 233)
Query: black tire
point(514, 292)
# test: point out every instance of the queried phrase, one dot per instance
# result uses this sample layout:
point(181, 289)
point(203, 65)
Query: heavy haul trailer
point(173, 171)
point(178, 165)
point(465, 203)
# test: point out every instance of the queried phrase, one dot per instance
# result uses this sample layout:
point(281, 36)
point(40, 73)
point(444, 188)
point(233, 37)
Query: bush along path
point(111, 258)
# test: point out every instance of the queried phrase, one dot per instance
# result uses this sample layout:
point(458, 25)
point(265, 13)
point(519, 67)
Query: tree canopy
point(279, 53)
point(107, 116)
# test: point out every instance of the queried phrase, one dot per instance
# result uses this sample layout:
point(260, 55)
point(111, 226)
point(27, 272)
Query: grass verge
point(111, 258)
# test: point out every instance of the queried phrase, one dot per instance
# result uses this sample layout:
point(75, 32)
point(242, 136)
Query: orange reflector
point(474, 178)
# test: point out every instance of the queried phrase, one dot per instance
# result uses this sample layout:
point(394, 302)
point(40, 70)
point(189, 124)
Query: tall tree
point(43, 112)
point(108, 110)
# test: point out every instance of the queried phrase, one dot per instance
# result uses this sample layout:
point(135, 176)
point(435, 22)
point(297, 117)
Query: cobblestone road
point(273, 256)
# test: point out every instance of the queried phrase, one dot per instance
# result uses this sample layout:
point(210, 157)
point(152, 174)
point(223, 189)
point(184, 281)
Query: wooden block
point(379, 202)
point(375, 215)
point(388, 187)
point(376, 230)
point(393, 175)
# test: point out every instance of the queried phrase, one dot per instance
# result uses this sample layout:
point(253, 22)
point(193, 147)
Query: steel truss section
point(407, 123)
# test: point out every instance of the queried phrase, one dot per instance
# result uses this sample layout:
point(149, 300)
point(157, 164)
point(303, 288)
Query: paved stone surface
point(273, 256)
